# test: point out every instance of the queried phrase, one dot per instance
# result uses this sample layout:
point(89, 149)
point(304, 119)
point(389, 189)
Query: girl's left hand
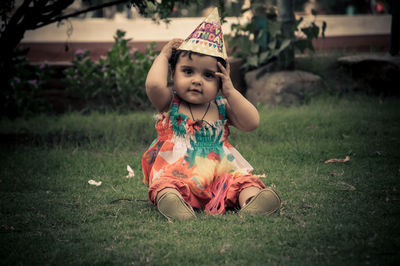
point(224, 75)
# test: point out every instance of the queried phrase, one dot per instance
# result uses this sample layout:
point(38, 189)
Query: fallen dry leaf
point(131, 173)
point(261, 176)
point(338, 160)
point(224, 248)
point(345, 186)
point(94, 183)
point(334, 173)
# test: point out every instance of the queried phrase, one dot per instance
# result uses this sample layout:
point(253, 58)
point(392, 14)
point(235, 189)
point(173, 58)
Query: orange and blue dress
point(195, 158)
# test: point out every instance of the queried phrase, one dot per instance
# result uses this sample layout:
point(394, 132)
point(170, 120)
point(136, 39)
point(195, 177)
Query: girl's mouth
point(195, 91)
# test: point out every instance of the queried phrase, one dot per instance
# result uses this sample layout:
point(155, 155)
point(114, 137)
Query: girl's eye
point(187, 71)
point(209, 75)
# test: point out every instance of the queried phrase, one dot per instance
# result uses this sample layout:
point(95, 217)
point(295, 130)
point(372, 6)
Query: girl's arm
point(242, 114)
point(157, 78)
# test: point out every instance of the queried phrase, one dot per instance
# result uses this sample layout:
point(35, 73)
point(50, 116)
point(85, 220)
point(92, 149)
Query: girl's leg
point(242, 189)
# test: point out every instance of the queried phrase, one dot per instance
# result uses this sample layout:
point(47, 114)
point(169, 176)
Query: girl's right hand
point(167, 49)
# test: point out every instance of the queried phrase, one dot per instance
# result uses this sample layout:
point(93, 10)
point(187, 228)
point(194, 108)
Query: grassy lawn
point(332, 214)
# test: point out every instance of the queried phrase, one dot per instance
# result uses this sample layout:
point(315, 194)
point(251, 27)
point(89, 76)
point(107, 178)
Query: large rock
point(376, 73)
point(280, 88)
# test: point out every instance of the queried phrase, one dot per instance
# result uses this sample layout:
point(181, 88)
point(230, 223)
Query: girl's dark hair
point(177, 53)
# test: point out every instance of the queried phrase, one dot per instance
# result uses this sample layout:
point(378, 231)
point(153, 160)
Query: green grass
point(332, 214)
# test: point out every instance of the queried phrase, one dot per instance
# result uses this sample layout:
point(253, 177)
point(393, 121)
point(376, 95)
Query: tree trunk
point(394, 45)
point(29, 15)
point(286, 19)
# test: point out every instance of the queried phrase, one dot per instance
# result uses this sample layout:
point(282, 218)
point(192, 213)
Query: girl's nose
point(196, 80)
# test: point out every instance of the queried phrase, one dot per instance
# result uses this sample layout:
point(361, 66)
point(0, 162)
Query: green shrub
point(115, 82)
point(260, 45)
point(22, 94)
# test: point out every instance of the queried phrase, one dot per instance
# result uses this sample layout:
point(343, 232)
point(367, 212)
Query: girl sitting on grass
point(191, 164)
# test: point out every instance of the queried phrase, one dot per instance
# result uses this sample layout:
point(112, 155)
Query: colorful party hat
point(207, 38)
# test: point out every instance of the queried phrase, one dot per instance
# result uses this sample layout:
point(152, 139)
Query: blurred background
point(95, 55)
point(353, 25)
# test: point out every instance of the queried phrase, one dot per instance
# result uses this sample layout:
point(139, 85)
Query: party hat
point(207, 38)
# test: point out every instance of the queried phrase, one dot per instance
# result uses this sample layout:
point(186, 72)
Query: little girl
point(191, 164)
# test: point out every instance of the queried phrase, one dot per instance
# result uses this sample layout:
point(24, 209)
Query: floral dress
point(195, 158)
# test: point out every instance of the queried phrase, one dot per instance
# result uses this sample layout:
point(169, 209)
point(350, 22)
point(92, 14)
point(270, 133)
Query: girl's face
point(194, 79)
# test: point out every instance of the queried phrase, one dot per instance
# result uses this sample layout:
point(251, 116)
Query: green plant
point(310, 32)
point(114, 82)
point(259, 46)
point(22, 95)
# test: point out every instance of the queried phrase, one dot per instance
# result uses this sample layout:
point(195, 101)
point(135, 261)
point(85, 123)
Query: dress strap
point(221, 107)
